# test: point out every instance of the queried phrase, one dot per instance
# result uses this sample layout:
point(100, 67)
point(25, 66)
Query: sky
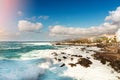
point(48, 20)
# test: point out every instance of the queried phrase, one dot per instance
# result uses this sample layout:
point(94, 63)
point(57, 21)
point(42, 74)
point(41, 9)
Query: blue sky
point(71, 12)
point(50, 13)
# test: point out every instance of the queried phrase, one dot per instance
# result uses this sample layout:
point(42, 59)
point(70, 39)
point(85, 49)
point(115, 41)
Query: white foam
point(10, 48)
point(39, 43)
point(97, 71)
point(46, 64)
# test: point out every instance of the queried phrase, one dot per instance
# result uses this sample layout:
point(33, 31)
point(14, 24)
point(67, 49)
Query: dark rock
point(64, 57)
point(88, 57)
point(112, 58)
point(87, 51)
point(118, 77)
point(84, 62)
point(76, 55)
point(62, 65)
point(72, 59)
point(83, 49)
point(54, 53)
point(100, 45)
point(72, 64)
point(90, 50)
point(88, 46)
point(63, 53)
point(58, 43)
point(55, 58)
point(115, 65)
point(59, 60)
point(79, 56)
point(103, 61)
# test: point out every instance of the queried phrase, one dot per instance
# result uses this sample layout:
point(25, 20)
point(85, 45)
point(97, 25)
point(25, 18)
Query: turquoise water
point(15, 49)
point(13, 68)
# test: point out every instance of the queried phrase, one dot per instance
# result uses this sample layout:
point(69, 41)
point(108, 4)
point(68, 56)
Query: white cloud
point(20, 13)
point(69, 31)
point(111, 25)
point(24, 25)
point(114, 15)
point(43, 17)
point(34, 18)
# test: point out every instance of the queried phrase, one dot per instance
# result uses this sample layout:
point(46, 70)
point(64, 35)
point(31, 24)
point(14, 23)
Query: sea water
point(34, 61)
point(12, 67)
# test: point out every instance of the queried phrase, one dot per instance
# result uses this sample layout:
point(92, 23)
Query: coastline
point(108, 53)
point(61, 62)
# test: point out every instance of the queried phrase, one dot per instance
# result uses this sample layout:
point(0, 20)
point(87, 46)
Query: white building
point(118, 35)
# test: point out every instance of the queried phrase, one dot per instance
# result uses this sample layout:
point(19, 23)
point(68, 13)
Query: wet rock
point(72, 64)
point(62, 65)
point(87, 51)
point(91, 50)
point(115, 65)
point(100, 45)
point(118, 77)
point(55, 58)
point(88, 57)
point(72, 59)
point(84, 62)
point(64, 57)
point(112, 58)
point(59, 60)
point(76, 55)
point(88, 46)
point(54, 53)
point(79, 56)
point(69, 54)
point(83, 49)
point(103, 61)
point(63, 53)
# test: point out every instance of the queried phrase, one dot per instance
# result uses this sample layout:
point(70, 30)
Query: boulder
point(84, 62)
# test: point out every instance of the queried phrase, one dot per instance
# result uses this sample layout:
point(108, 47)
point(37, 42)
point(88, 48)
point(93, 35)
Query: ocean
point(34, 61)
point(12, 67)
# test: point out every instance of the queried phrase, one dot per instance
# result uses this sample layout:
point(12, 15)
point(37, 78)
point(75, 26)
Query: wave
point(10, 48)
point(38, 43)
point(16, 52)
point(41, 65)
point(19, 70)
point(97, 71)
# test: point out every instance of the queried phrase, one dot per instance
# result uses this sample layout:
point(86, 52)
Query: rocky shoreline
point(109, 55)
point(85, 62)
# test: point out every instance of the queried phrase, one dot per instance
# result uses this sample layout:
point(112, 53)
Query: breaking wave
point(34, 61)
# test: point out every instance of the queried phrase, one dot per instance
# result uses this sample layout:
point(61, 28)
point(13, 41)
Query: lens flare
point(7, 8)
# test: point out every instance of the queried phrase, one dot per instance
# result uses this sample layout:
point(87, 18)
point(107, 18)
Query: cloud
point(34, 18)
point(20, 13)
point(43, 17)
point(110, 26)
point(81, 32)
point(114, 16)
point(28, 26)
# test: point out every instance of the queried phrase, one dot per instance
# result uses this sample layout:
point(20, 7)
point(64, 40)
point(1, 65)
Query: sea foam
point(97, 71)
